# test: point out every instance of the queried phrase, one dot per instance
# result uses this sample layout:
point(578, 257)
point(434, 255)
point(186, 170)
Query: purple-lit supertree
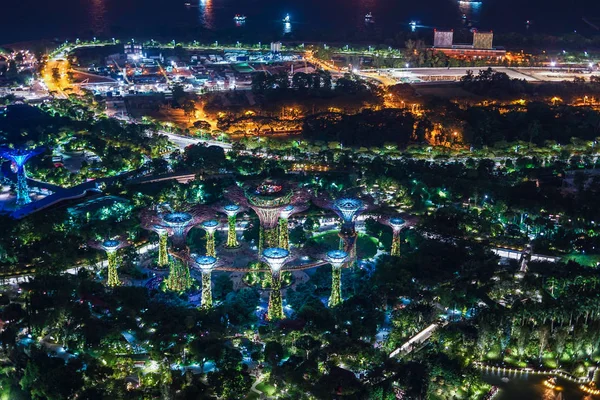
point(231, 210)
point(284, 216)
point(20, 158)
point(275, 258)
point(177, 224)
point(336, 258)
point(110, 246)
point(206, 265)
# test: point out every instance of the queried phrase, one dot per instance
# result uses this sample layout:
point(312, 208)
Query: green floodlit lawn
point(366, 246)
point(589, 260)
point(267, 389)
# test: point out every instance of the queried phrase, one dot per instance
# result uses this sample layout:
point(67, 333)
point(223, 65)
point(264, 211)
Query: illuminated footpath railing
point(554, 372)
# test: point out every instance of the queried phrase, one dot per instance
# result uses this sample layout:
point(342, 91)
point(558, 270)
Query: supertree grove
point(210, 227)
point(336, 258)
point(206, 265)
point(176, 225)
point(20, 158)
point(275, 258)
point(111, 246)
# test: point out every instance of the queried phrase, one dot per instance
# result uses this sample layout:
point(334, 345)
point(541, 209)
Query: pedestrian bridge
point(517, 254)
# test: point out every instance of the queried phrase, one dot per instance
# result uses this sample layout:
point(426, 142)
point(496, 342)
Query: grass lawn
point(590, 260)
point(267, 389)
point(366, 245)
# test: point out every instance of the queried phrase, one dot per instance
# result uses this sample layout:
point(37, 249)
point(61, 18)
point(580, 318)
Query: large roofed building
point(482, 46)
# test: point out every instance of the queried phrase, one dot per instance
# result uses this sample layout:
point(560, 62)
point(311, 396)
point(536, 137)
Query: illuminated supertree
point(336, 258)
point(210, 227)
point(284, 216)
point(206, 265)
point(177, 225)
point(397, 224)
point(163, 249)
point(111, 247)
point(348, 209)
point(275, 258)
point(267, 198)
point(20, 158)
point(231, 210)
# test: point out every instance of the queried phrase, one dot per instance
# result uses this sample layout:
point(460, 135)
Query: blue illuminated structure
point(276, 258)
point(206, 265)
point(348, 208)
point(20, 158)
point(178, 221)
point(336, 258)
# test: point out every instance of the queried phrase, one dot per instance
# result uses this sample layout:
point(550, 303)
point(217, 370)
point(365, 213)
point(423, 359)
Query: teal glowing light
point(20, 158)
point(348, 208)
point(205, 262)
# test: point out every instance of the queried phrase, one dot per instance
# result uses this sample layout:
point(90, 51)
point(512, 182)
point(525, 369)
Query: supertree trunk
point(270, 238)
point(336, 287)
point(231, 235)
point(348, 244)
point(395, 252)
point(275, 311)
point(211, 249)
point(179, 279)
point(284, 234)
point(207, 300)
point(163, 253)
point(113, 277)
point(22, 187)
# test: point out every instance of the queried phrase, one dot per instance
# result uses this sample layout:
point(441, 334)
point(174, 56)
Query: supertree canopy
point(20, 158)
point(111, 246)
point(210, 227)
point(268, 199)
point(348, 208)
point(275, 259)
point(206, 265)
point(336, 258)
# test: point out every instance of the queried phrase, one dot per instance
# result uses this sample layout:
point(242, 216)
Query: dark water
point(325, 20)
point(525, 387)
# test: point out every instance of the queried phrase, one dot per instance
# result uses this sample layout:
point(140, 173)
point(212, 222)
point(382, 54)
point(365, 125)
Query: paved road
point(183, 141)
point(419, 73)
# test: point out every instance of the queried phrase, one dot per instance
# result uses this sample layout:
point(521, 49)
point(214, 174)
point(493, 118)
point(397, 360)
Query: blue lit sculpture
point(20, 158)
